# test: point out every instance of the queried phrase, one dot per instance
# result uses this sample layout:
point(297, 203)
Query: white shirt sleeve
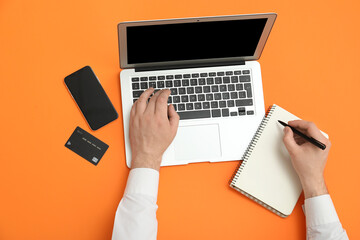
point(322, 221)
point(136, 214)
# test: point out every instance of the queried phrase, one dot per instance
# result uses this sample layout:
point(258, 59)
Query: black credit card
point(86, 145)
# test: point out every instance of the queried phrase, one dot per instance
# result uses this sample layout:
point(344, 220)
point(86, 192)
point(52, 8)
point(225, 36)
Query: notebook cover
point(266, 174)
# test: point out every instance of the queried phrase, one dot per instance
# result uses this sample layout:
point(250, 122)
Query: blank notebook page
point(268, 174)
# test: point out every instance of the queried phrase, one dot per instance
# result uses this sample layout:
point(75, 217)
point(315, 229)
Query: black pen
point(310, 139)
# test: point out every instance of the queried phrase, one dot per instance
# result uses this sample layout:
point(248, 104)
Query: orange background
point(310, 67)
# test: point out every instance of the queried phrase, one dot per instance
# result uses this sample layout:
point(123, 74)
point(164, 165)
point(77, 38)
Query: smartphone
point(91, 98)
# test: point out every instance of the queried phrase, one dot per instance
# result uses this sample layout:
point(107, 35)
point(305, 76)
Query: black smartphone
point(91, 98)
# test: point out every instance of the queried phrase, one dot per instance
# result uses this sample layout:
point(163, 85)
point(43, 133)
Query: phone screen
point(91, 98)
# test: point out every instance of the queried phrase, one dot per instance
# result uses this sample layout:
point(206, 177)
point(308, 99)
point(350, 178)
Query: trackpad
point(201, 142)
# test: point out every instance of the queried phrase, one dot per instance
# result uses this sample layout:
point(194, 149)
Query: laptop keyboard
point(203, 95)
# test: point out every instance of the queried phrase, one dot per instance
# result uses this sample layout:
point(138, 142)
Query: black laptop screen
point(190, 41)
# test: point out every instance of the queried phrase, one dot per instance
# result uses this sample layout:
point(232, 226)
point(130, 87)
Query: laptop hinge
point(182, 66)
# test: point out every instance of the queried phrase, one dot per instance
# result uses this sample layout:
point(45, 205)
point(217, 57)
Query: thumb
point(289, 140)
point(173, 118)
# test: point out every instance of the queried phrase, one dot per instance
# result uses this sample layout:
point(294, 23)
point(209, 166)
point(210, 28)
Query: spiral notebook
point(266, 174)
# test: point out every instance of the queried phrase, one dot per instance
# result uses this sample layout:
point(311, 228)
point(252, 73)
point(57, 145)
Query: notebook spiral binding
point(251, 145)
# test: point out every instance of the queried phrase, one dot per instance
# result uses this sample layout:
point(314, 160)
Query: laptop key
point(209, 97)
point(202, 81)
point(231, 87)
point(237, 72)
point(220, 74)
point(137, 94)
point(144, 85)
point(218, 80)
point(251, 112)
point(189, 106)
point(214, 88)
point(222, 104)
point(206, 89)
point(247, 87)
point(160, 84)
point(241, 111)
point(212, 74)
point(185, 98)
point(152, 78)
point(170, 77)
point(174, 91)
point(135, 79)
point(239, 86)
point(168, 84)
point(215, 113)
point(234, 95)
point(182, 91)
point(192, 98)
point(143, 78)
point(186, 76)
point(206, 105)
point(217, 96)
point(231, 103)
point(193, 82)
point(225, 112)
point(176, 99)
point(198, 89)
point(226, 95)
point(185, 82)
point(161, 77)
point(169, 99)
point(135, 86)
point(223, 88)
point(177, 83)
point(214, 104)
point(226, 79)
point(190, 90)
point(245, 78)
point(152, 84)
point(210, 81)
point(197, 105)
point(195, 75)
point(201, 97)
point(244, 102)
point(246, 71)
point(181, 107)
point(242, 94)
point(229, 73)
point(233, 114)
point(194, 114)
point(234, 79)
point(178, 76)
point(203, 74)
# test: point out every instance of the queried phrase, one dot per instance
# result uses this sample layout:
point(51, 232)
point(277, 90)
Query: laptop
point(210, 66)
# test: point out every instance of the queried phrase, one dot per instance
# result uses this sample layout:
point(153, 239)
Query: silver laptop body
point(210, 66)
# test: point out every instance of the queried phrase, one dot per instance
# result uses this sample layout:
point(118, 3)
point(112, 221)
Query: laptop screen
point(192, 41)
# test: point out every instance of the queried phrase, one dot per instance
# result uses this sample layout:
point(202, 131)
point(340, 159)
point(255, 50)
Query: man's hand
point(308, 160)
point(153, 127)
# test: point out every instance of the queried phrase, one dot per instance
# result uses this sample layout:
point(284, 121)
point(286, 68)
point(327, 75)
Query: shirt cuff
point(143, 181)
point(320, 210)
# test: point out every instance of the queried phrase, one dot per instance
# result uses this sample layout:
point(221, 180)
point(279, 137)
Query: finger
point(173, 118)
point(308, 128)
point(152, 102)
point(161, 106)
point(133, 110)
point(289, 141)
point(142, 101)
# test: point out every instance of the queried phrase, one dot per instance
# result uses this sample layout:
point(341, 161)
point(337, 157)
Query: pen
point(310, 139)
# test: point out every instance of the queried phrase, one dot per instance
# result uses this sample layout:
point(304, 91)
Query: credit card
point(86, 145)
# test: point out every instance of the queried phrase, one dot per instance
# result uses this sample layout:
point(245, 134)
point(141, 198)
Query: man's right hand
point(308, 160)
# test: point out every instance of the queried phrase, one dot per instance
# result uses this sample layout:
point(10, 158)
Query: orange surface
point(310, 67)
